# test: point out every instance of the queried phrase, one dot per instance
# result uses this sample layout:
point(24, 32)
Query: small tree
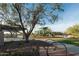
point(29, 15)
point(45, 31)
point(74, 30)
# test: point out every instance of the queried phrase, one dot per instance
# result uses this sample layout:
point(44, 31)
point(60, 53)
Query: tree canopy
point(73, 30)
point(28, 15)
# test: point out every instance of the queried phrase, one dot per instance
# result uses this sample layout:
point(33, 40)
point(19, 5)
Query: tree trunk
point(27, 38)
point(11, 34)
point(22, 26)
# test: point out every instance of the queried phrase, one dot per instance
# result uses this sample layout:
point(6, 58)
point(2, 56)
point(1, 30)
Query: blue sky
point(69, 17)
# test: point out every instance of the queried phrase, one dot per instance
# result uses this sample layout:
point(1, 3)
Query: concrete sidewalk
point(72, 48)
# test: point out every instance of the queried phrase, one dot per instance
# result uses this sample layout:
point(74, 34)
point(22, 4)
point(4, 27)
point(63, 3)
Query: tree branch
point(19, 13)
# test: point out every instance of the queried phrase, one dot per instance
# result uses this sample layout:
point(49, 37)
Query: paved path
point(73, 49)
point(70, 48)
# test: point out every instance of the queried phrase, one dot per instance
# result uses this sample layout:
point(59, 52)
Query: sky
point(69, 17)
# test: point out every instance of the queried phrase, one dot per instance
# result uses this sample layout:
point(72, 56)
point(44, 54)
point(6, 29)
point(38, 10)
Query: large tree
point(28, 15)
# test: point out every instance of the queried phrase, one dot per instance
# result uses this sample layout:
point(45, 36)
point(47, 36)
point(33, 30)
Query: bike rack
point(54, 46)
point(64, 47)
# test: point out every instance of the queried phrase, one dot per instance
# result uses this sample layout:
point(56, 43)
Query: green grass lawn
point(73, 41)
point(68, 41)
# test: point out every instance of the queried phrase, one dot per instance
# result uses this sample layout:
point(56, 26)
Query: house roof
point(10, 28)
